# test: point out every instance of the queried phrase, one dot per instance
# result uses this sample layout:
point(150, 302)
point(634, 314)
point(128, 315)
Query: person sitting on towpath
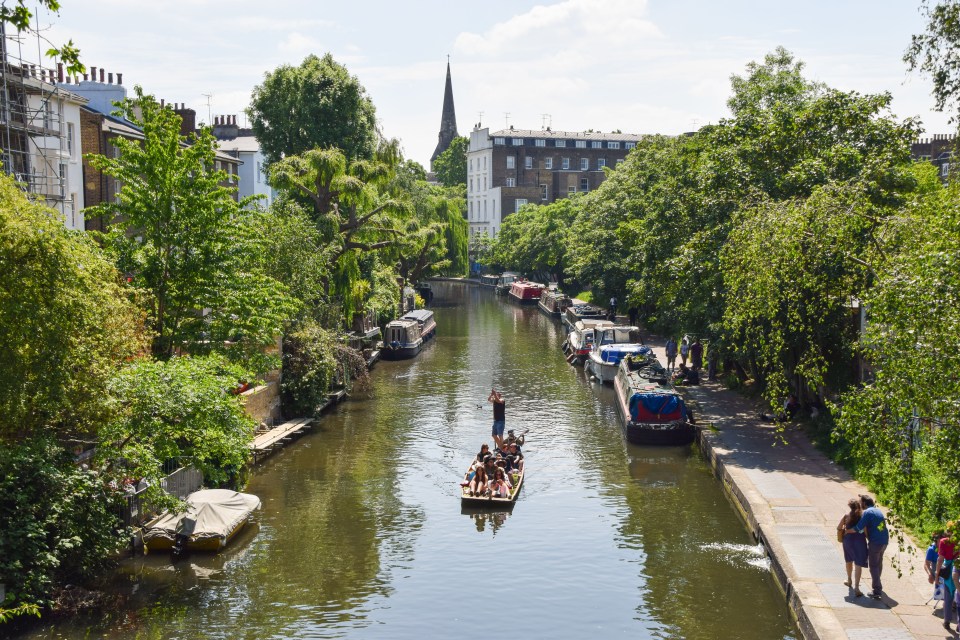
point(686, 376)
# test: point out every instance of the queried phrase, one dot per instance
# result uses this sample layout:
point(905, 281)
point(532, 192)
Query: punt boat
point(516, 478)
point(652, 410)
point(213, 517)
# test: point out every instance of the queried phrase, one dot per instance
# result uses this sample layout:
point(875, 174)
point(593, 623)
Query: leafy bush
point(309, 366)
point(59, 523)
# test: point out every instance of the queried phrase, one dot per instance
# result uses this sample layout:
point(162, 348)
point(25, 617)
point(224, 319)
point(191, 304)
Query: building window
point(561, 143)
point(581, 144)
point(584, 164)
point(597, 144)
point(518, 142)
point(484, 183)
point(548, 163)
point(511, 182)
point(584, 184)
point(613, 145)
point(471, 185)
point(945, 169)
point(470, 213)
point(471, 164)
point(541, 143)
point(499, 141)
point(619, 161)
point(484, 210)
point(519, 203)
point(565, 163)
point(543, 192)
point(484, 163)
point(511, 162)
point(601, 163)
point(73, 210)
point(629, 145)
point(571, 189)
point(70, 138)
point(63, 180)
point(528, 162)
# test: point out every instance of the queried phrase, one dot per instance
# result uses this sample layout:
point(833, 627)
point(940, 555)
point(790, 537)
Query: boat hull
point(673, 433)
point(467, 500)
point(211, 545)
point(602, 371)
point(522, 301)
point(403, 352)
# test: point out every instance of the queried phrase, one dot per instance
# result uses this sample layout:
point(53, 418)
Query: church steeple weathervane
point(448, 120)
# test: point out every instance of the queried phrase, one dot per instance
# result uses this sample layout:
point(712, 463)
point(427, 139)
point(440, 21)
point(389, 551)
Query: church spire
point(448, 121)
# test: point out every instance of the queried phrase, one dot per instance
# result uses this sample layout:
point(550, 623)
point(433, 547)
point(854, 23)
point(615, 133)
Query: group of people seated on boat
point(492, 473)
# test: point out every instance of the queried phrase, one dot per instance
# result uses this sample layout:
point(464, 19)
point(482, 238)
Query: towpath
point(792, 497)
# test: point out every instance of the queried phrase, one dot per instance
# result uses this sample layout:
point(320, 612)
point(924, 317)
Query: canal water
point(362, 534)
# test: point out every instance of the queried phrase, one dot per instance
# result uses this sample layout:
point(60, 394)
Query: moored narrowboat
point(490, 280)
point(553, 302)
point(582, 311)
point(526, 292)
point(652, 410)
point(404, 338)
point(505, 281)
point(580, 340)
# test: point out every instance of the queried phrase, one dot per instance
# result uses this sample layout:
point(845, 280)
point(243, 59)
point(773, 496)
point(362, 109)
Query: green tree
point(181, 237)
point(535, 240)
point(450, 166)
point(936, 52)
point(19, 16)
point(317, 105)
point(65, 322)
point(180, 409)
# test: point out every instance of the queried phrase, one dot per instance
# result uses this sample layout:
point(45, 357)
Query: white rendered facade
point(483, 199)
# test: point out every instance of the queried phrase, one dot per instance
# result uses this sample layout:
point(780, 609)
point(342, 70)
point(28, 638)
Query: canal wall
point(791, 497)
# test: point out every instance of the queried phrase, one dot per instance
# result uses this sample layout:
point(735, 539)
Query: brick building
point(936, 150)
point(509, 168)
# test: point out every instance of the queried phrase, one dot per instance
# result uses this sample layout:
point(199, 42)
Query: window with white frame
point(499, 141)
point(581, 144)
point(629, 145)
point(945, 169)
point(73, 209)
point(518, 142)
point(613, 145)
point(471, 185)
point(519, 203)
point(560, 144)
point(528, 162)
point(484, 163)
point(619, 161)
point(511, 162)
point(511, 182)
point(584, 184)
point(541, 143)
point(565, 163)
point(484, 210)
point(548, 163)
point(584, 164)
point(596, 144)
point(543, 192)
point(601, 163)
point(63, 179)
point(471, 164)
point(70, 138)
point(571, 189)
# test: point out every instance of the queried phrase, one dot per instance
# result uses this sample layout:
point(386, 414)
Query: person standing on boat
point(499, 417)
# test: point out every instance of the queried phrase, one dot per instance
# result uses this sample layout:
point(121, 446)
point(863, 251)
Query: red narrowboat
point(525, 292)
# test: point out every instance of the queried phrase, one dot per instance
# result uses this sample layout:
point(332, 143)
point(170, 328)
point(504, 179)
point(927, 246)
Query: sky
point(639, 66)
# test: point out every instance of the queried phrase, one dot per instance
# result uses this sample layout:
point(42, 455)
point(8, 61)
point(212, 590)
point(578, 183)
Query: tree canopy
point(936, 52)
point(316, 105)
point(450, 166)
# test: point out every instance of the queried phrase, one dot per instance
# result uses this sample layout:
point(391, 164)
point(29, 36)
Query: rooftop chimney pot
point(109, 78)
point(119, 78)
point(93, 73)
point(102, 74)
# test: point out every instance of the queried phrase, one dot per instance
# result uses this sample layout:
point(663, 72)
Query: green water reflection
point(362, 534)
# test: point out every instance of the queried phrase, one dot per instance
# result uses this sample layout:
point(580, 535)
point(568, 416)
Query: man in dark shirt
point(499, 417)
point(875, 524)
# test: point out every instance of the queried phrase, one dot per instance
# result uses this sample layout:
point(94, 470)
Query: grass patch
point(586, 296)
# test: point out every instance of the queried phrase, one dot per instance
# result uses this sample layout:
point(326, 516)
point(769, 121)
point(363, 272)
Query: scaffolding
point(33, 141)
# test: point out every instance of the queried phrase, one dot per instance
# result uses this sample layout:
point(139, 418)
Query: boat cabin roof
point(592, 323)
point(420, 315)
point(403, 323)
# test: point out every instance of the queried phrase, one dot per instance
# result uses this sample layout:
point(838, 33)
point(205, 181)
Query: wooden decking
point(266, 441)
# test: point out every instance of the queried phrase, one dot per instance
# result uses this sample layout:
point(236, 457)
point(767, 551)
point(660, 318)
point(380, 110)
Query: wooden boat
point(404, 338)
point(553, 302)
point(490, 280)
point(580, 340)
point(492, 501)
point(506, 279)
point(610, 345)
point(525, 292)
point(212, 519)
point(583, 311)
point(652, 410)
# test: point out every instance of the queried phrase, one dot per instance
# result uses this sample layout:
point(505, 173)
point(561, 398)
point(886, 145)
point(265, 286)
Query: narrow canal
point(362, 533)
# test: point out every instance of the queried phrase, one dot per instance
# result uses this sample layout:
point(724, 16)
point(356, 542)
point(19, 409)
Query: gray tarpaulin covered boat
point(212, 518)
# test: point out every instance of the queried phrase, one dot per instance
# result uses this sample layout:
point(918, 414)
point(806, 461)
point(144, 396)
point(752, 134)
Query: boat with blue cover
point(404, 338)
point(610, 345)
point(652, 410)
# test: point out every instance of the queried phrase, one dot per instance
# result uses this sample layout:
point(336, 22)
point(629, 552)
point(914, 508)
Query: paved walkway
point(792, 497)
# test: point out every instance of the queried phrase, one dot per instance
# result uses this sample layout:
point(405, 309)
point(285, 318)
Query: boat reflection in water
point(484, 517)
point(656, 468)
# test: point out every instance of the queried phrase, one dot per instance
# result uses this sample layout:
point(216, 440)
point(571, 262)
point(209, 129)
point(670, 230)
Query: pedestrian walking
point(671, 349)
point(947, 552)
point(684, 349)
point(874, 524)
point(613, 307)
point(854, 546)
